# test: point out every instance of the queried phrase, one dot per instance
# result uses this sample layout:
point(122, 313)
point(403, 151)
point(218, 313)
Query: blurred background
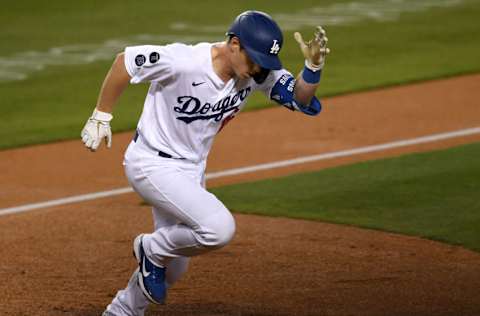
point(55, 54)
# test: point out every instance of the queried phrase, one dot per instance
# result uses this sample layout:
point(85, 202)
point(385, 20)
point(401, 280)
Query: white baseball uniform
point(186, 106)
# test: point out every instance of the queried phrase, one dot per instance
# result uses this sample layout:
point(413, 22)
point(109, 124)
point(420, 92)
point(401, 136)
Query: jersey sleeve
point(279, 87)
point(273, 77)
point(149, 63)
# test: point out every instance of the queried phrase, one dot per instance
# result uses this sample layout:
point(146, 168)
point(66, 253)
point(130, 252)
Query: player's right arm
point(97, 127)
point(145, 63)
point(114, 84)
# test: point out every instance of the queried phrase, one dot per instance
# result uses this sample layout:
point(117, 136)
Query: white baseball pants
point(188, 219)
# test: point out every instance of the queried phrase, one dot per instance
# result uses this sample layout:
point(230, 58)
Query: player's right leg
point(202, 222)
point(174, 189)
point(130, 301)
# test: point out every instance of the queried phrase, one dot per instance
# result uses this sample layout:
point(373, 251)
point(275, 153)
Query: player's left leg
point(178, 266)
point(131, 300)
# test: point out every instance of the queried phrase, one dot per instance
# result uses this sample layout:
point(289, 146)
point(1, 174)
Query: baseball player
point(194, 91)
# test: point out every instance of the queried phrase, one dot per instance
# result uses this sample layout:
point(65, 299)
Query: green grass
point(54, 103)
point(433, 195)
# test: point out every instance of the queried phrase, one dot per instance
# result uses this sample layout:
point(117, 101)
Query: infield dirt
point(71, 259)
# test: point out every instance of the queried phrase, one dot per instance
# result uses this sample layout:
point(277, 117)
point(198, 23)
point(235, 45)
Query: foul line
point(255, 168)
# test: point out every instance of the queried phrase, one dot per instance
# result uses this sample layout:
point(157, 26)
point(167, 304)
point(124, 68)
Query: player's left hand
point(96, 129)
point(315, 50)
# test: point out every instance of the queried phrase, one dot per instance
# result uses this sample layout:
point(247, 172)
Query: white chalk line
point(64, 201)
point(255, 168)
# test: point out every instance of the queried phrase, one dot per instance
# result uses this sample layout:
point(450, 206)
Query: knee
point(218, 232)
point(225, 233)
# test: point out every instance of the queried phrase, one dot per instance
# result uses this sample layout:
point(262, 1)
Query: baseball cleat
point(151, 278)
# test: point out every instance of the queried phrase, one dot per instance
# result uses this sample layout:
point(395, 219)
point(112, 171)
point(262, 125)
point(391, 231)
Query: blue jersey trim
point(282, 93)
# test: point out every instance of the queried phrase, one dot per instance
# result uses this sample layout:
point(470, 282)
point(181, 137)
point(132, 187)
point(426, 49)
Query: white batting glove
point(96, 129)
point(315, 50)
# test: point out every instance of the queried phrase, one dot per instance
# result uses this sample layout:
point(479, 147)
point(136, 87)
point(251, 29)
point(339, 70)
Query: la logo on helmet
point(275, 48)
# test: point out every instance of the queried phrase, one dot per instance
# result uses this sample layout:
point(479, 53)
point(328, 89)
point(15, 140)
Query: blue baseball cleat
point(151, 278)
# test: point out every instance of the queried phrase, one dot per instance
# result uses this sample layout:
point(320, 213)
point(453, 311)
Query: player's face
point(242, 65)
point(252, 68)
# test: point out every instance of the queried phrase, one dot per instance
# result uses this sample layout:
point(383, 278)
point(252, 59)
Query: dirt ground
point(71, 259)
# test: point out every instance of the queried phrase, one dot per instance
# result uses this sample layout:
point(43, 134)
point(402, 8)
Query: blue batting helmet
point(261, 37)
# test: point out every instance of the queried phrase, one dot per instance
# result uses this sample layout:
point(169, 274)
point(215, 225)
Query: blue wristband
point(310, 76)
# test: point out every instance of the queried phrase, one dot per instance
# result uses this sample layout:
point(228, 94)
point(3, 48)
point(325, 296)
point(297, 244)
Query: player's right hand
point(315, 50)
point(96, 129)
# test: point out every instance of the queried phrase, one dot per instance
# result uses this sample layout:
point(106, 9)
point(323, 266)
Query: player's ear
point(234, 44)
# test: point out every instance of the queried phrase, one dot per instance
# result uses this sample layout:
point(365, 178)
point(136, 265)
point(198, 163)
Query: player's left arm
point(299, 94)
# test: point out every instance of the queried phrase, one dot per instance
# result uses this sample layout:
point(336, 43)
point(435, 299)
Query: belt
point(160, 153)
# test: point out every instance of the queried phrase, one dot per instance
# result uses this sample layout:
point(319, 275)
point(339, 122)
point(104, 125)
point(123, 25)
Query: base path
point(71, 259)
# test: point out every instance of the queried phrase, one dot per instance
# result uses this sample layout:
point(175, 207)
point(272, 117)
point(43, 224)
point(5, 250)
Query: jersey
point(187, 104)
